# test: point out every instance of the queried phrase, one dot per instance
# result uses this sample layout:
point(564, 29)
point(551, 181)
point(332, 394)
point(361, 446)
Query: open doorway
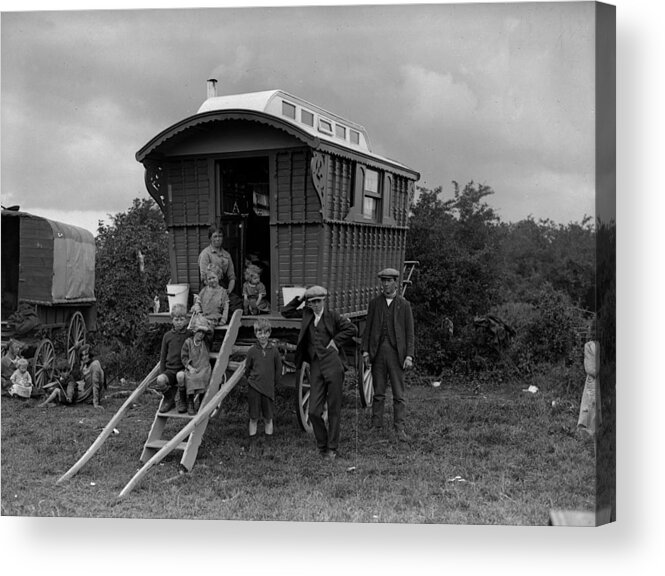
point(245, 207)
point(10, 263)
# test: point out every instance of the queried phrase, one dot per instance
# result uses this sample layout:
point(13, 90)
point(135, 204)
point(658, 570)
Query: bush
point(132, 266)
point(550, 333)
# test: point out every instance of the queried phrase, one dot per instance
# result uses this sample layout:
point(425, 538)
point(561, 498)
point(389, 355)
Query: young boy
point(170, 360)
point(196, 360)
point(254, 292)
point(263, 368)
point(21, 380)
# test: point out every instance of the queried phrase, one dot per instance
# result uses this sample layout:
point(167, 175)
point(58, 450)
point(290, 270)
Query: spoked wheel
point(302, 397)
point(43, 365)
point(365, 384)
point(75, 337)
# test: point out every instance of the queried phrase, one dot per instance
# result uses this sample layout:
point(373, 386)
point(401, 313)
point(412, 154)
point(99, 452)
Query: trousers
point(326, 375)
point(386, 366)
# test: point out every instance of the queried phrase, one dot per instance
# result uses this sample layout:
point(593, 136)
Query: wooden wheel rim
point(304, 390)
point(43, 364)
point(366, 387)
point(76, 334)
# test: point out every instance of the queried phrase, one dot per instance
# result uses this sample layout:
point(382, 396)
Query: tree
point(132, 266)
point(534, 253)
point(454, 241)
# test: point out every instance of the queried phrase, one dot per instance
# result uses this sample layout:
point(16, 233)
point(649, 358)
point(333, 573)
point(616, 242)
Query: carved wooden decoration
point(319, 169)
point(154, 174)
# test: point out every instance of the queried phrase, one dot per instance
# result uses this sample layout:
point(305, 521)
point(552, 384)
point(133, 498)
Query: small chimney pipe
point(212, 87)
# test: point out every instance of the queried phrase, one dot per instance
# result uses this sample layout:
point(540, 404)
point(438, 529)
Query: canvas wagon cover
point(54, 263)
point(73, 263)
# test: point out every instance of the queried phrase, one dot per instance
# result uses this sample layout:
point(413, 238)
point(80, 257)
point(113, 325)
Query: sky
point(498, 94)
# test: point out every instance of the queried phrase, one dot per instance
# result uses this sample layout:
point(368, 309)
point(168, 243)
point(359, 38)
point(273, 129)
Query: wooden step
point(236, 350)
point(173, 413)
point(159, 444)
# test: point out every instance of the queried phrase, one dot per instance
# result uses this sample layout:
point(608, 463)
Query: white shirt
point(317, 318)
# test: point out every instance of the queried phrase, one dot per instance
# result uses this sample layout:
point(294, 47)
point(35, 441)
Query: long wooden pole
point(108, 429)
point(204, 412)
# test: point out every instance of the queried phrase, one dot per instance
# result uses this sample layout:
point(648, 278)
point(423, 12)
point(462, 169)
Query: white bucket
point(177, 294)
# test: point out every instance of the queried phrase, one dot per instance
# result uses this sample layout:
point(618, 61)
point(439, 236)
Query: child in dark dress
point(263, 368)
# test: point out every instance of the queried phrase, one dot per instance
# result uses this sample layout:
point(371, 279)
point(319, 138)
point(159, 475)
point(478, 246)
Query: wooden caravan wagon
point(287, 180)
point(294, 185)
point(290, 182)
point(48, 281)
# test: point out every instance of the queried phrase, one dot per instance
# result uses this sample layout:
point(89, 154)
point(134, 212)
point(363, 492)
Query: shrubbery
point(132, 266)
point(537, 277)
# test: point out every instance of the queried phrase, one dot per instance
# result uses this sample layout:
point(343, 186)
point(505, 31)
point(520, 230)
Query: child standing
point(263, 368)
point(213, 301)
point(9, 360)
point(196, 360)
point(170, 359)
point(21, 380)
point(254, 292)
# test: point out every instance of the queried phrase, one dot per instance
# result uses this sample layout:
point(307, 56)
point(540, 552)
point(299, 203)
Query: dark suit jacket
point(403, 327)
point(340, 329)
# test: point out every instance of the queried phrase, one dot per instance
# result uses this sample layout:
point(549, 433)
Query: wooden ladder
point(156, 441)
point(407, 272)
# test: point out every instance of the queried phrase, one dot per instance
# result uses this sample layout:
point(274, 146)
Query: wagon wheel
point(303, 389)
point(43, 364)
point(75, 337)
point(302, 397)
point(365, 385)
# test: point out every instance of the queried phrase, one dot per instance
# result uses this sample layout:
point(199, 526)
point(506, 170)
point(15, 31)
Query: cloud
point(436, 97)
point(489, 92)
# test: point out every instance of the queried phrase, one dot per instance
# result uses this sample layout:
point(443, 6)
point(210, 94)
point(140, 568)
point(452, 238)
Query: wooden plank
point(108, 429)
point(159, 444)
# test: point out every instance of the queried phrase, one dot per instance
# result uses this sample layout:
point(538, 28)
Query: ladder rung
point(239, 349)
point(233, 365)
point(236, 350)
point(159, 444)
point(174, 414)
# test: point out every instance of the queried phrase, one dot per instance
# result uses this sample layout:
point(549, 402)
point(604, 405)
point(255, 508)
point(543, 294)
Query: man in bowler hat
point(322, 335)
point(388, 347)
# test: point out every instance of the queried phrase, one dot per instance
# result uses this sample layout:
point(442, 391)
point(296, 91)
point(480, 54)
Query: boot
point(190, 405)
point(181, 401)
point(168, 401)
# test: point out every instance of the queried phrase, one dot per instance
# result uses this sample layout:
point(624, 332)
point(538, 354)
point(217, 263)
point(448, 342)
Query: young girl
point(9, 360)
point(263, 368)
point(196, 360)
point(21, 380)
point(254, 292)
point(213, 301)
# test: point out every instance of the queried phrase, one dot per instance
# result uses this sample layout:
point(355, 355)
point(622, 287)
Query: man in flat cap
point(322, 335)
point(388, 347)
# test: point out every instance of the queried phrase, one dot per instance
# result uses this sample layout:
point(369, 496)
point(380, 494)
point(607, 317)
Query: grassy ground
point(499, 457)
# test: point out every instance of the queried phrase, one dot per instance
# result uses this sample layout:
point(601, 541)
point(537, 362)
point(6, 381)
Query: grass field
point(502, 456)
